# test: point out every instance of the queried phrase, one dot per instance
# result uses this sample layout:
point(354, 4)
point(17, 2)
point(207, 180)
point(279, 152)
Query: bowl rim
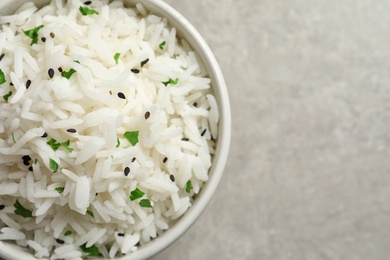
point(187, 31)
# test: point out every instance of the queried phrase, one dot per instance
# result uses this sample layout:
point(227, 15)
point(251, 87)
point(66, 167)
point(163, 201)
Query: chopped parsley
point(33, 34)
point(161, 46)
point(132, 137)
point(118, 143)
point(68, 74)
point(136, 194)
point(54, 144)
point(188, 186)
point(36, 161)
point(66, 146)
point(13, 138)
point(2, 77)
point(145, 203)
point(91, 251)
point(171, 81)
point(68, 233)
point(6, 96)
point(60, 189)
point(77, 61)
point(22, 211)
point(116, 57)
point(87, 11)
point(90, 213)
point(53, 165)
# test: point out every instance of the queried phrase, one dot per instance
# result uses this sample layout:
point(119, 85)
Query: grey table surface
point(308, 171)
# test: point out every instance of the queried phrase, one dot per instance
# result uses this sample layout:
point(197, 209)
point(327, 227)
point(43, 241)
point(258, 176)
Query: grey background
point(308, 171)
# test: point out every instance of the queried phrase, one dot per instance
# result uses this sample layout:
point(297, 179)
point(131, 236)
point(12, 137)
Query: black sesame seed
point(2, 207)
point(126, 171)
point(195, 104)
point(121, 234)
point(60, 69)
point(121, 95)
point(203, 132)
point(52, 35)
point(26, 163)
point(26, 158)
point(165, 160)
point(185, 139)
point(44, 135)
point(96, 194)
point(133, 160)
point(71, 130)
point(59, 241)
point(88, 2)
point(43, 39)
point(11, 84)
point(147, 114)
point(2, 56)
point(28, 84)
point(144, 62)
point(110, 92)
point(51, 73)
point(136, 71)
point(172, 177)
point(30, 168)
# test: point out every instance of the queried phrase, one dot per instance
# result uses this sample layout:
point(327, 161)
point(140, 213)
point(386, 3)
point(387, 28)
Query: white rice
point(77, 195)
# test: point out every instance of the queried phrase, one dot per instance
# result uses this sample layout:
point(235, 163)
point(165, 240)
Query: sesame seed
point(71, 130)
point(44, 135)
point(121, 95)
point(203, 132)
point(110, 92)
point(147, 115)
point(144, 62)
point(30, 168)
point(11, 84)
point(195, 104)
point(59, 241)
point(43, 39)
point(185, 139)
point(26, 163)
point(165, 160)
point(126, 171)
point(88, 2)
point(96, 194)
point(133, 160)
point(28, 84)
point(2, 56)
point(26, 158)
point(51, 73)
point(60, 69)
point(136, 71)
point(121, 234)
point(2, 207)
point(172, 177)
point(52, 35)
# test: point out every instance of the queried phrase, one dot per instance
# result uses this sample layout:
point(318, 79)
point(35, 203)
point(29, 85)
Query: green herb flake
point(2, 77)
point(77, 61)
point(116, 57)
point(54, 144)
point(136, 194)
point(66, 146)
point(60, 189)
point(36, 161)
point(90, 213)
point(68, 74)
point(22, 211)
point(6, 96)
point(13, 138)
point(118, 143)
point(33, 34)
point(53, 165)
point(91, 251)
point(188, 186)
point(87, 11)
point(132, 137)
point(68, 233)
point(145, 203)
point(171, 81)
point(161, 46)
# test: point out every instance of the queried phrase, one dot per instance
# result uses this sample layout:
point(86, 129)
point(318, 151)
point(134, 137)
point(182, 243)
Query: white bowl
point(187, 31)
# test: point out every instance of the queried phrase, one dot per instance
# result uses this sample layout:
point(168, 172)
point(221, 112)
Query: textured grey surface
point(308, 173)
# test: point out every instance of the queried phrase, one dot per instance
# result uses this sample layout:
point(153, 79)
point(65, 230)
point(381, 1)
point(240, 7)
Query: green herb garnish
point(68, 233)
point(116, 57)
point(60, 189)
point(6, 96)
point(132, 137)
point(171, 81)
point(145, 203)
point(77, 61)
point(136, 194)
point(188, 186)
point(53, 165)
point(13, 138)
point(87, 11)
point(66, 146)
point(161, 46)
point(54, 144)
point(90, 213)
point(22, 211)
point(118, 143)
point(36, 161)
point(91, 251)
point(2, 77)
point(68, 74)
point(33, 34)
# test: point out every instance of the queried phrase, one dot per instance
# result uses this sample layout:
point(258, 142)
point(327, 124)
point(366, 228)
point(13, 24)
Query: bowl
point(188, 32)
